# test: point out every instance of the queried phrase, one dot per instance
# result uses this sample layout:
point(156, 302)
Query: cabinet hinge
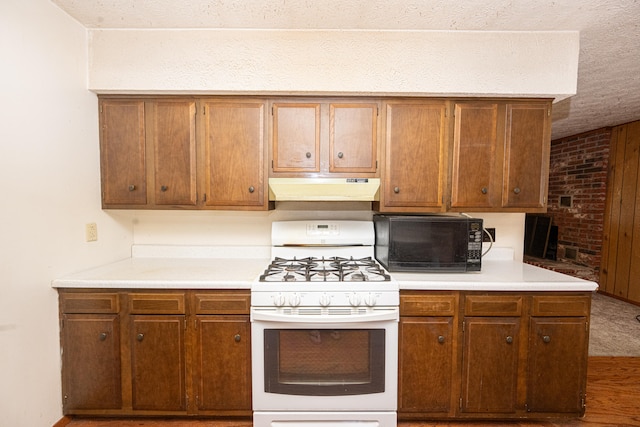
point(460, 406)
point(548, 112)
point(204, 198)
point(376, 165)
point(446, 112)
point(203, 110)
point(101, 109)
point(463, 326)
point(377, 110)
point(195, 324)
point(272, 110)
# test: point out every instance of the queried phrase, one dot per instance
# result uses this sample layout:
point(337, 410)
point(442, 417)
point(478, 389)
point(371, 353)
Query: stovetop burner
point(329, 269)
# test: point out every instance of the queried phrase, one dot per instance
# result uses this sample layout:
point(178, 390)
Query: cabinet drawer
point(91, 302)
point(222, 302)
point(428, 305)
point(493, 305)
point(165, 303)
point(578, 305)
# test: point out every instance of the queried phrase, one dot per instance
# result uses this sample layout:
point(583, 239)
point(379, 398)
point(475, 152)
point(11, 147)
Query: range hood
point(324, 189)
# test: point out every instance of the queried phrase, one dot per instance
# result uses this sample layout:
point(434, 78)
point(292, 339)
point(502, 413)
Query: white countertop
point(496, 275)
point(153, 268)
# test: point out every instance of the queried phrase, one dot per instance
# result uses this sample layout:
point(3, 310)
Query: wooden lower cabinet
point(492, 355)
point(91, 362)
point(158, 363)
point(222, 365)
point(155, 353)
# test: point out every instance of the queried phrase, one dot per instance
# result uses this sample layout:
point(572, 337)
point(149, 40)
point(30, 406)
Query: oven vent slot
point(310, 311)
point(340, 311)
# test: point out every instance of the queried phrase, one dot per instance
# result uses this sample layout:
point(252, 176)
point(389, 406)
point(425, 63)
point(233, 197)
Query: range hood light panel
point(324, 189)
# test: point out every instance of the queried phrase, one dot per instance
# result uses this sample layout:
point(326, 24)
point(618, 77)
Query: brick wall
point(578, 174)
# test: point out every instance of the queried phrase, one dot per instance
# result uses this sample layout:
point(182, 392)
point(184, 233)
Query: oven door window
point(324, 362)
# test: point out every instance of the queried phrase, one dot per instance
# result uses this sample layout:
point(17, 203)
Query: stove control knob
point(354, 300)
point(370, 300)
point(279, 300)
point(294, 300)
point(325, 300)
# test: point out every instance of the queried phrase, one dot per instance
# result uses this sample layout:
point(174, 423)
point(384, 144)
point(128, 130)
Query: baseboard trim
point(62, 422)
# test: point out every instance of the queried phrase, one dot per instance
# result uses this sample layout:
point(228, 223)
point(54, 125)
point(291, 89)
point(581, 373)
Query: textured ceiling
point(609, 67)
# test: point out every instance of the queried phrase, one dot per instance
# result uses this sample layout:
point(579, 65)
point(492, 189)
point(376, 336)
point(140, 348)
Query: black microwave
point(428, 243)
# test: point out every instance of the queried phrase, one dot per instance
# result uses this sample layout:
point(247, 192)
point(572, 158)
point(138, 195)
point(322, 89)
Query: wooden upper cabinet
point(296, 137)
point(415, 156)
point(500, 158)
point(328, 138)
point(123, 152)
point(353, 138)
point(172, 132)
point(233, 159)
point(476, 172)
point(527, 146)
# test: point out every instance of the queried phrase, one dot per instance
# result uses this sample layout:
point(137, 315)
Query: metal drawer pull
point(132, 187)
point(103, 336)
point(546, 338)
point(484, 190)
point(163, 188)
point(237, 337)
point(340, 155)
point(440, 339)
point(509, 339)
point(396, 190)
point(140, 337)
point(516, 190)
point(308, 155)
point(251, 189)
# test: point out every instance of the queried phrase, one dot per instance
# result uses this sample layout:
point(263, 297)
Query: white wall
point(339, 61)
point(215, 228)
point(50, 187)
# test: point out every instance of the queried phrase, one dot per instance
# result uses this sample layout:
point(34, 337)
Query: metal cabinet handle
point(237, 338)
point(440, 339)
point(396, 190)
point(103, 336)
point(546, 338)
point(164, 188)
point(132, 187)
point(140, 337)
point(340, 155)
point(251, 189)
point(516, 190)
point(484, 190)
point(509, 339)
point(308, 155)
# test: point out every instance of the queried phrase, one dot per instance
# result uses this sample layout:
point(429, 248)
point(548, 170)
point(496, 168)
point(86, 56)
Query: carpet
point(615, 330)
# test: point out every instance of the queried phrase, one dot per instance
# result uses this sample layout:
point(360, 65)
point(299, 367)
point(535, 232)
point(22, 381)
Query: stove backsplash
point(220, 228)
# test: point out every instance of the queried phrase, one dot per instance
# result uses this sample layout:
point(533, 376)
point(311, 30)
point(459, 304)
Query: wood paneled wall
point(620, 265)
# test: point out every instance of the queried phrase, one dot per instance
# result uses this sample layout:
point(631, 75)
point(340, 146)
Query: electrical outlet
point(491, 231)
point(91, 232)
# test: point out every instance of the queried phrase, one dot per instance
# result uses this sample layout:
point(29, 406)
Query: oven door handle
point(376, 316)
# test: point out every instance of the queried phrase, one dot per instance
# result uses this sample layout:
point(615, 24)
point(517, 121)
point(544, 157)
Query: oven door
point(324, 363)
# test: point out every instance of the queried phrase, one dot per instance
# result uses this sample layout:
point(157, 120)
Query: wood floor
point(613, 399)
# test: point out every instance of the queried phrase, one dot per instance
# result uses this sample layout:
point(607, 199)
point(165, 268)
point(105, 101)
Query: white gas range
point(324, 329)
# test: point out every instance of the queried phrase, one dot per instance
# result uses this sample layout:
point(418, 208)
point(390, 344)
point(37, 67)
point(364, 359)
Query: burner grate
point(330, 269)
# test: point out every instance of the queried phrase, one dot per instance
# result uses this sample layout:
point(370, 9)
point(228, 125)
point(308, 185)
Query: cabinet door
point(475, 176)
point(234, 154)
point(415, 155)
point(296, 137)
point(557, 364)
point(157, 363)
point(91, 362)
point(526, 163)
point(122, 152)
point(490, 364)
point(171, 127)
point(353, 137)
point(425, 363)
point(223, 364)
